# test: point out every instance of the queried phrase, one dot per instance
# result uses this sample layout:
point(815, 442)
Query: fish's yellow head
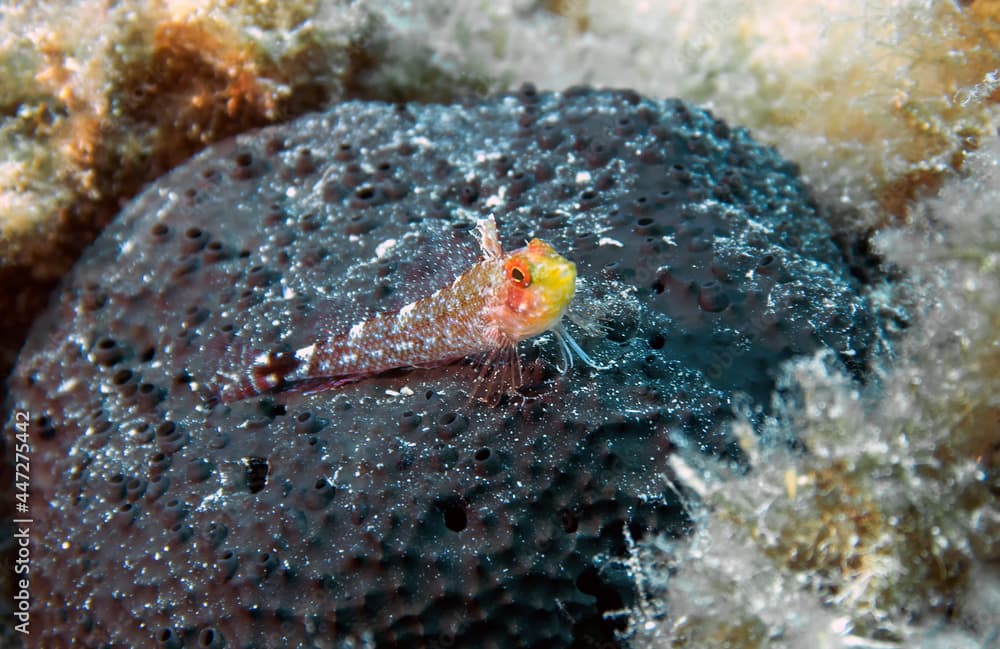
point(538, 285)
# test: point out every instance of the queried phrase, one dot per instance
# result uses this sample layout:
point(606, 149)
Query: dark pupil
point(517, 275)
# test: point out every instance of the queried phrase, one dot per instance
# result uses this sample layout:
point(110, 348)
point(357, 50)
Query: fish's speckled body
point(501, 300)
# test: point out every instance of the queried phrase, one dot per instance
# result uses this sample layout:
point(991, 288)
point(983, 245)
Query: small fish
point(486, 311)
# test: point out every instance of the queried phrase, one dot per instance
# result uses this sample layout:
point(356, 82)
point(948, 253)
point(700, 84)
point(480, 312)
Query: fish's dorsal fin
point(489, 241)
point(424, 263)
point(333, 315)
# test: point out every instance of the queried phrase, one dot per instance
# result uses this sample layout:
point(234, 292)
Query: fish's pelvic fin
point(568, 346)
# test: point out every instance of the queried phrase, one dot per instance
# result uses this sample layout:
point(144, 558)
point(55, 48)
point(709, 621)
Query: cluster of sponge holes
point(99, 430)
point(206, 638)
point(173, 515)
point(194, 240)
point(119, 488)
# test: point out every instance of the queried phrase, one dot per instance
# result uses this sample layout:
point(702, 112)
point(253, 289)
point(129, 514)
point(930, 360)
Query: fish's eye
point(519, 274)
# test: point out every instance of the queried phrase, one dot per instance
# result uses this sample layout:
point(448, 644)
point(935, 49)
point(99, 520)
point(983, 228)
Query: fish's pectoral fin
point(499, 374)
point(588, 322)
point(481, 385)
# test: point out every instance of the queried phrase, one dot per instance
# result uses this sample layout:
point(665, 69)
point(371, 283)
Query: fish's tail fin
point(245, 372)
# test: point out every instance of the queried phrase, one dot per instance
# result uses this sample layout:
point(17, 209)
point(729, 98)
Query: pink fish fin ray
point(588, 322)
point(500, 374)
point(514, 362)
point(485, 376)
